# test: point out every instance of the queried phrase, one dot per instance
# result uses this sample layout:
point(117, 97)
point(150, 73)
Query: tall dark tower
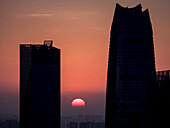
point(131, 68)
point(39, 86)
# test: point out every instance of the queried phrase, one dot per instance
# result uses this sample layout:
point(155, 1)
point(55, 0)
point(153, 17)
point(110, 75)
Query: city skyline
point(81, 29)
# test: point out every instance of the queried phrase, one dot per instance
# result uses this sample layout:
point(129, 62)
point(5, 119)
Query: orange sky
point(81, 29)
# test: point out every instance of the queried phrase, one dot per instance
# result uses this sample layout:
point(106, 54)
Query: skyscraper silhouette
point(39, 86)
point(131, 68)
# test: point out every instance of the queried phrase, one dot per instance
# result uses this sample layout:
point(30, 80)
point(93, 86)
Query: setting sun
point(78, 102)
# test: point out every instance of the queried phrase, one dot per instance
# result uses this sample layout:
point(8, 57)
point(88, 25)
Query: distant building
point(91, 125)
point(131, 68)
point(65, 120)
point(89, 118)
point(39, 86)
point(72, 125)
point(1, 124)
point(11, 124)
point(99, 125)
point(75, 121)
point(86, 125)
point(160, 103)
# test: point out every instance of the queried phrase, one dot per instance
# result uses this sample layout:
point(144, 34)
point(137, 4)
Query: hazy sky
point(81, 29)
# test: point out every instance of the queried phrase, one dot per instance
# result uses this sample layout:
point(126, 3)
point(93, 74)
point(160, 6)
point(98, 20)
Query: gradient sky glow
point(81, 29)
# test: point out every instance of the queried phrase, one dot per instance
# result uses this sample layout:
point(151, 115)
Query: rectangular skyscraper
point(39, 86)
point(131, 68)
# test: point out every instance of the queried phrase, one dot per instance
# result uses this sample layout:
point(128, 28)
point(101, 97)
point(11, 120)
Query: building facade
point(131, 68)
point(39, 86)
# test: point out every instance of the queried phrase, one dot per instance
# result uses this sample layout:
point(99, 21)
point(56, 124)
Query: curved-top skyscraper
point(131, 68)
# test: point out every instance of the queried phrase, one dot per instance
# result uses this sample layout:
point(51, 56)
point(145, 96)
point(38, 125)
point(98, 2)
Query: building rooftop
point(47, 44)
point(137, 8)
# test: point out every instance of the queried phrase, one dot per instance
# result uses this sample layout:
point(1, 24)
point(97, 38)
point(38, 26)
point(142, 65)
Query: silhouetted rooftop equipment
point(48, 43)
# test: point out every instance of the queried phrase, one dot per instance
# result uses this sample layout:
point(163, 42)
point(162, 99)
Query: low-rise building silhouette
point(86, 124)
point(91, 125)
point(9, 124)
point(160, 100)
point(1, 124)
point(72, 125)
